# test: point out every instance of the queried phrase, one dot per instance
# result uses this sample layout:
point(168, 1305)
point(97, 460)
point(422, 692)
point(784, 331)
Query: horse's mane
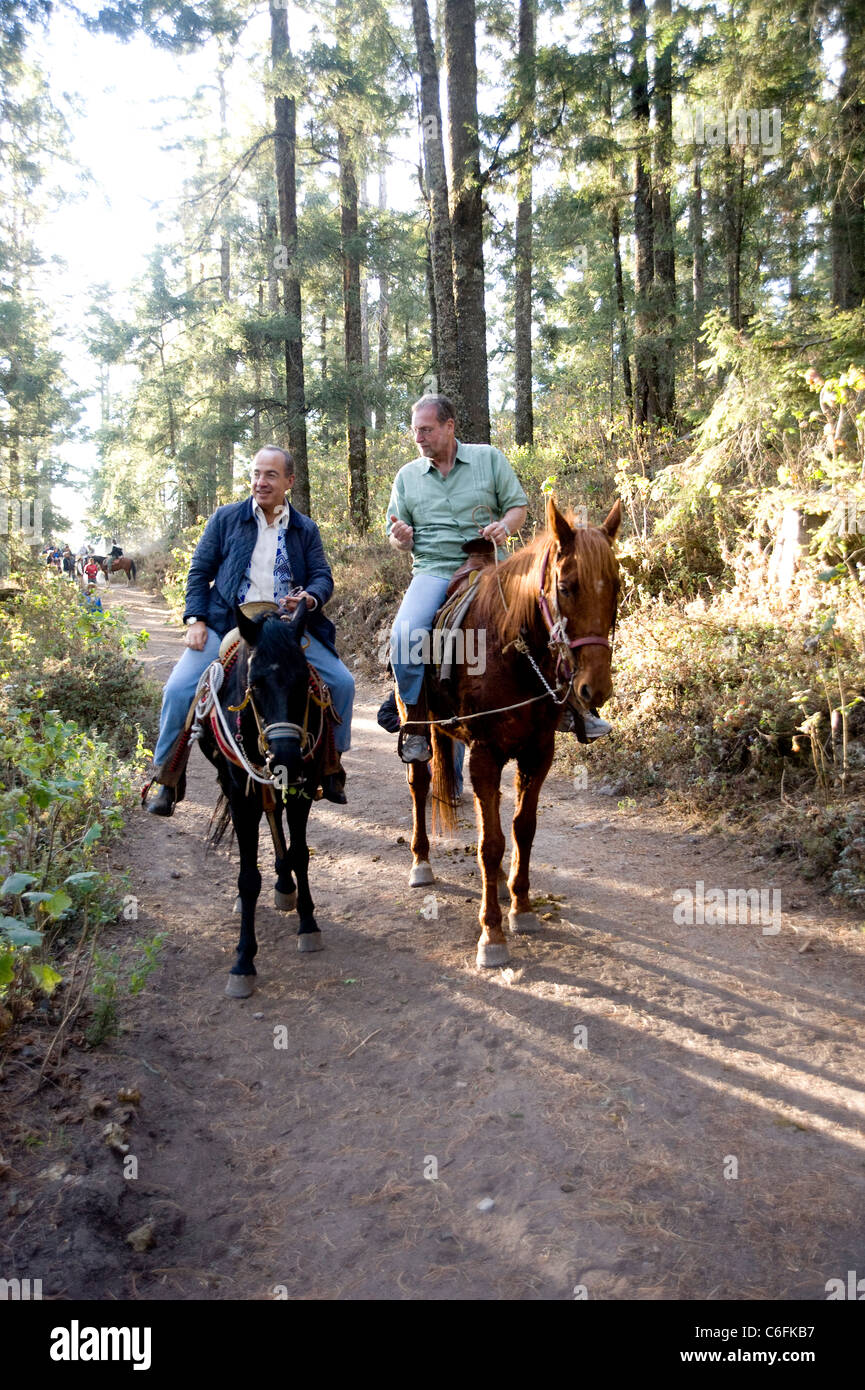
point(520, 578)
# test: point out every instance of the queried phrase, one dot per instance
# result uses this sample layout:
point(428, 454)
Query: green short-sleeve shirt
point(440, 509)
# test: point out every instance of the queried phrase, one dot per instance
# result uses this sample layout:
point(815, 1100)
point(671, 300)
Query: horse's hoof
point(310, 941)
point(285, 902)
point(420, 876)
point(504, 891)
point(240, 986)
point(492, 953)
point(523, 923)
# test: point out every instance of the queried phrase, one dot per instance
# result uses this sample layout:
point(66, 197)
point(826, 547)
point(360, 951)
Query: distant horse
point(545, 614)
point(123, 563)
point(267, 741)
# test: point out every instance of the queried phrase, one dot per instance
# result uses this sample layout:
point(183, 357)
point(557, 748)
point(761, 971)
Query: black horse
point(272, 705)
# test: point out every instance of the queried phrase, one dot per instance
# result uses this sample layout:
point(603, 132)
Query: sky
point(122, 102)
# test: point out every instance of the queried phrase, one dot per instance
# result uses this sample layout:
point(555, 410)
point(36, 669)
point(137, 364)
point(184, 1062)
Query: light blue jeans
point(423, 599)
point(181, 685)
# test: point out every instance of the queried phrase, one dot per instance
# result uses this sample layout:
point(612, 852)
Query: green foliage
point(64, 790)
point(735, 710)
point(77, 663)
point(114, 979)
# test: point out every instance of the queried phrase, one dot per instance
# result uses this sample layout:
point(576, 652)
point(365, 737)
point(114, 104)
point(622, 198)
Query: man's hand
point(497, 532)
point(290, 602)
point(196, 636)
point(401, 535)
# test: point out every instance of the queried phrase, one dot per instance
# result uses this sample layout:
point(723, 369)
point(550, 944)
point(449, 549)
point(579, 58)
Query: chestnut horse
point(545, 616)
point(123, 564)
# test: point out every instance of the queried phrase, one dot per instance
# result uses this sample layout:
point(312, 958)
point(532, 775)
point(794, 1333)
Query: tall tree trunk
point(256, 367)
point(225, 477)
point(332, 422)
point(615, 237)
point(358, 488)
point(446, 345)
point(436, 386)
point(734, 224)
point(467, 212)
point(383, 310)
point(286, 183)
point(363, 203)
point(274, 417)
point(225, 466)
point(524, 423)
point(698, 270)
point(664, 287)
point(364, 318)
point(624, 357)
point(848, 170)
point(646, 394)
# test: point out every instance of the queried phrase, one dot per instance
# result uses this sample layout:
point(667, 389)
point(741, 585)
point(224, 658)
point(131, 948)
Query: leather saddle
point(480, 553)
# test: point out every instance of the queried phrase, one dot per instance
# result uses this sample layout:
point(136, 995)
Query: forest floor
point(706, 1143)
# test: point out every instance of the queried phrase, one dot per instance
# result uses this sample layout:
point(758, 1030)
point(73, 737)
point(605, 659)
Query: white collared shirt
point(263, 560)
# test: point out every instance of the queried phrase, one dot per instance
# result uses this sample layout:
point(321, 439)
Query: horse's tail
point(132, 568)
point(220, 821)
point(444, 808)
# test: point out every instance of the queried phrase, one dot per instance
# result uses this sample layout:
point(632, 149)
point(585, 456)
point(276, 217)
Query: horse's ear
point(297, 621)
point(613, 520)
point(248, 629)
point(559, 526)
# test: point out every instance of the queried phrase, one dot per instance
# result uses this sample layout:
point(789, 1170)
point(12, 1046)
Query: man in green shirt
point(430, 515)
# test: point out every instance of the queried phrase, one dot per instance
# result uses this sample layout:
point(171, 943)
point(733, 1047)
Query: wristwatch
point(189, 621)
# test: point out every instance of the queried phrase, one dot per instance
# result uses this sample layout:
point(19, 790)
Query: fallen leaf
point(115, 1137)
point(54, 1173)
point(142, 1238)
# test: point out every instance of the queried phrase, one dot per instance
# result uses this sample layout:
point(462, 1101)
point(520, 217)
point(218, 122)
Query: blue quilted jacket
point(224, 552)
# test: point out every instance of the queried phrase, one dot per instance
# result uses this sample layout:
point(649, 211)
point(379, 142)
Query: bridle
point(297, 733)
point(316, 693)
point(230, 741)
point(556, 625)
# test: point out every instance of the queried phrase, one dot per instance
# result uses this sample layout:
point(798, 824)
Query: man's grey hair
point(287, 460)
point(444, 407)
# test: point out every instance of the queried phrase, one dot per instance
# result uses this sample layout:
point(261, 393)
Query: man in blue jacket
point(259, 549)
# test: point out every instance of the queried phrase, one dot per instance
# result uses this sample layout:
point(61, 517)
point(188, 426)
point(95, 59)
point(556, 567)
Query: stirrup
point(413, 748)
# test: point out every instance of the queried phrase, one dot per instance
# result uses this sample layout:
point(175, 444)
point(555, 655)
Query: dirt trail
point(350, 1163)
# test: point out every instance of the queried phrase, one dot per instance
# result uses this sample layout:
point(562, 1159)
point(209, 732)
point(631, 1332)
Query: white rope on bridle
point(206, 703)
